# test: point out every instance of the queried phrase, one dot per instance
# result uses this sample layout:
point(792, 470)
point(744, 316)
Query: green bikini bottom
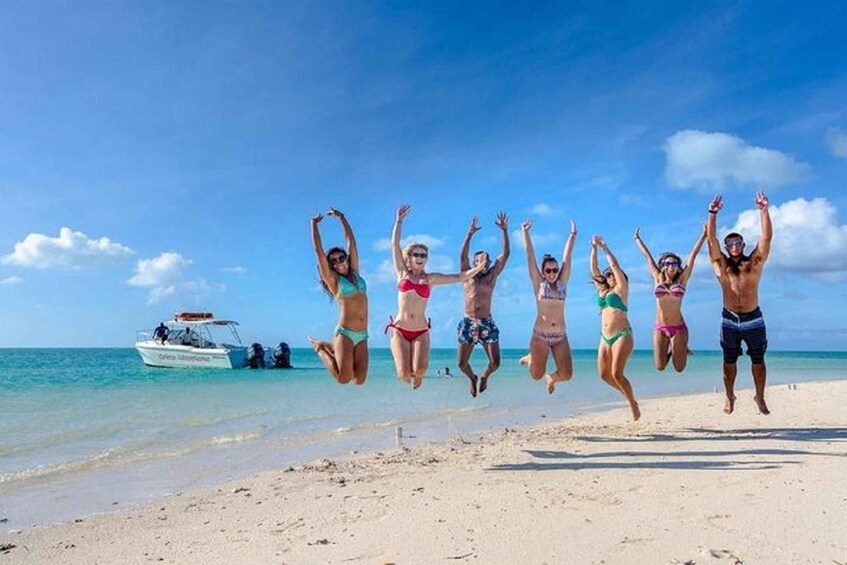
point(352, 335)
point(610, 341)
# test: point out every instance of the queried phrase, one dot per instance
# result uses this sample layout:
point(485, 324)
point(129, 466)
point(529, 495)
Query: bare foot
point(319, 345)
point(760, 403)
point(636, 411)
point(473, 380)
point(483, 384)
point(730, 405)
point(417, 381)
point(525, 360)
point(551, 384)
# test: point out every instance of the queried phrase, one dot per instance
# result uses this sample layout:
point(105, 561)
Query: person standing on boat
point(187, 337)
point(478, 325)
point(741, 318)
point(162, 332)
point(410, 338)
point(346, 357)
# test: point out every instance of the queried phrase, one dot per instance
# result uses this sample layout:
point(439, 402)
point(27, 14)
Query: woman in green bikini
point(616, 341)
point(346, 357)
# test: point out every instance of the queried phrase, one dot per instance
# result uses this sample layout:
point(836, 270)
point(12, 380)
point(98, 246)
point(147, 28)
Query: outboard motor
point(282, 356)
point(256, 356)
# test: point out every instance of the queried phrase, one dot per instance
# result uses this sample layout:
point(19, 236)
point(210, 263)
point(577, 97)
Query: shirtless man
point(478, 326)
point(742, 320)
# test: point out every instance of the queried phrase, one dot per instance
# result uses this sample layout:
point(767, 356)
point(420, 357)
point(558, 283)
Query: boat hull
point(155, 354)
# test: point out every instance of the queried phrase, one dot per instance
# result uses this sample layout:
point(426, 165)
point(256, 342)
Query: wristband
point(713, 211)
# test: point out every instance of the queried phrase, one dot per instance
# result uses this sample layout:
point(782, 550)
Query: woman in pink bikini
point(410, 338)
point(670, 335)
point(549, 284)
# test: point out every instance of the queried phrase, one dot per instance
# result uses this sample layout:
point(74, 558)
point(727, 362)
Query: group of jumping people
point(346, 356)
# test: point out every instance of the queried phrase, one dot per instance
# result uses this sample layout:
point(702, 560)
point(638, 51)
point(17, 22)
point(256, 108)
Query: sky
point(166, 156)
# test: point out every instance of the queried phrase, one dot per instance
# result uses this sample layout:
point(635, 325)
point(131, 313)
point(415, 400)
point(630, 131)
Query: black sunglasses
point(420, 255)
point(337, 259)
point(551, 270)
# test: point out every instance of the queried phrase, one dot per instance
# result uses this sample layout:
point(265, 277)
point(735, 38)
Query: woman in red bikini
point(670, 335)
point(410, 338)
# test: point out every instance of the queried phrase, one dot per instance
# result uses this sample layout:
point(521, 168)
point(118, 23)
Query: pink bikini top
point(676, 290)
point(405, 285)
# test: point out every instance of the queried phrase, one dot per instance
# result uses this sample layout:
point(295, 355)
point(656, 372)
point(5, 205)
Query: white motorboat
point(189, 342)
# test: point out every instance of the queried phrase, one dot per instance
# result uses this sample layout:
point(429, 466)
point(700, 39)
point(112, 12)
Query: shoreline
point(687, 483)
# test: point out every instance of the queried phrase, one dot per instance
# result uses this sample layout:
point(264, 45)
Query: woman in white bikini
point(549, 285)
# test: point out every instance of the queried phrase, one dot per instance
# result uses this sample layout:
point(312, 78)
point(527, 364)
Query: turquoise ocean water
point(89, 430)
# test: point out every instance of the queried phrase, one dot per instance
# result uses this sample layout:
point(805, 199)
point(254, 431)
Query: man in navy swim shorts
point(741, 318)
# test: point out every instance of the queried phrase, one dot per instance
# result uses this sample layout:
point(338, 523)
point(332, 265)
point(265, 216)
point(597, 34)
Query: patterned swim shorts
point(477, 330)
point(748, 327)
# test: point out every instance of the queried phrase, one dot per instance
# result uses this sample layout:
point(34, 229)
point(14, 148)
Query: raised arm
point(532, 265)
point(692, 257)
point(715, 254)
point(464, 260)
point(651, 263)
point(352, 249)
point(567, 254)
point(620, 278)
point(396, 252)
point(323, 265)
point(502, 222)
point(592, 261)
point(763, 248)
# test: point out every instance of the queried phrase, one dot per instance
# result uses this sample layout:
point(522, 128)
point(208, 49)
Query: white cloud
point(238, 270)
point(430, 241)
point(837, 141)
point(807, 237)
point(12, 280)
point(164, 270)
point(715, 161)
point(163, 275)
point(544, 209)
point(70, 250)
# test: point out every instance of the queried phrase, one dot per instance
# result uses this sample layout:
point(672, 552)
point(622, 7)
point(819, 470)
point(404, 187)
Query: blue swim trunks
point(748, 327)
point(477, 330)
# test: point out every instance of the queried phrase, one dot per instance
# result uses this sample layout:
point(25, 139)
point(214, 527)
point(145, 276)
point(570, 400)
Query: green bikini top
point(611, 300)
point(345, 287)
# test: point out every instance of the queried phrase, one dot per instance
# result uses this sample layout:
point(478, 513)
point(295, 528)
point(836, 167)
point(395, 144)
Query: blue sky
point(164, 156)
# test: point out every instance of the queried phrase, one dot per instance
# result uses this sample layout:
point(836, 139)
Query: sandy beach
point(686, 485)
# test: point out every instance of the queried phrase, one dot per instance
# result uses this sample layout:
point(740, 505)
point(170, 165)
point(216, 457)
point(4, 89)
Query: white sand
point(687, 484)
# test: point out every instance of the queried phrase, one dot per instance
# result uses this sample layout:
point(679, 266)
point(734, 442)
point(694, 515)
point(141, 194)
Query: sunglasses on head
point(338, 259)
point(732, 244)
point(551, 270)
point(419, 255)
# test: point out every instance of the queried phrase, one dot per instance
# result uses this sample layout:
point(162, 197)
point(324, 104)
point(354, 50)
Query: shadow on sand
point(753, 459)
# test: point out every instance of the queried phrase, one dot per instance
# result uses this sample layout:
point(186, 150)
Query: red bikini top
point(406, 285)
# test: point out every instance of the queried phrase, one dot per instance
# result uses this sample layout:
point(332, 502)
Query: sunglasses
point(733, 244)
point(420, 255)
point(338, 259)
point(551, 270)
point(669, 264)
